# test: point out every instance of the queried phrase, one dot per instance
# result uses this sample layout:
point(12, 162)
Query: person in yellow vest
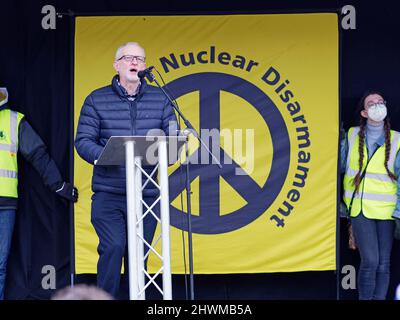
point(371, 164)
point(16, 135)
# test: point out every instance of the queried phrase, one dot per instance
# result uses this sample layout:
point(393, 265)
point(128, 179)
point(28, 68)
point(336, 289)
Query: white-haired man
point(127, 107)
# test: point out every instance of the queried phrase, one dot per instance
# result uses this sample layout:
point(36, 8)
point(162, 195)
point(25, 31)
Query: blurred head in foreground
point(81, 292)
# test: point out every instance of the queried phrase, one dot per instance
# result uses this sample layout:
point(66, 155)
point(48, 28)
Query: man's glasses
point(129, 58)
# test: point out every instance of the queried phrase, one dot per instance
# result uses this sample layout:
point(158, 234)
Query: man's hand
point(68, 191)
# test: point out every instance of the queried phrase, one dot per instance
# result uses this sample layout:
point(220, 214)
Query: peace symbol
point(259, 199)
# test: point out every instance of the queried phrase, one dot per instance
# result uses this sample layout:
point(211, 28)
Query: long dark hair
point(361, 141)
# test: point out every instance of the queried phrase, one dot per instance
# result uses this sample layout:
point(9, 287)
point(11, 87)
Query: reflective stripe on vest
point(9, 126)
point(8, 174)
point(378, 176)
point(12, 146)
point(352, 140)
point(372, 196)
point(377, 194)
point(393, 151)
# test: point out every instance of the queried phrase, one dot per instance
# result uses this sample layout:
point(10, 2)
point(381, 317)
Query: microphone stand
point(152, 78)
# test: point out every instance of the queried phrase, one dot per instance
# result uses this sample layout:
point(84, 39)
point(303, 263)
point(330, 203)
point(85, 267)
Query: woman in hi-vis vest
point(371, 163)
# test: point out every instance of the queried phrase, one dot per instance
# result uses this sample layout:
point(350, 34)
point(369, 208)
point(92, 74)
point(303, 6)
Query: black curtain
point(35, 65)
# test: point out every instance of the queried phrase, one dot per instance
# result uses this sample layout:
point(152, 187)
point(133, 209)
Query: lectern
point(133, 152)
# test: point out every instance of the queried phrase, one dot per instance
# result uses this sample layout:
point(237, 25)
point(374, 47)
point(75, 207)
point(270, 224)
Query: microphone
point(145, 72)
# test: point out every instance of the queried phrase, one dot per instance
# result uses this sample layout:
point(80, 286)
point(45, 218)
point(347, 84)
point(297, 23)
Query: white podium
point(133, 152)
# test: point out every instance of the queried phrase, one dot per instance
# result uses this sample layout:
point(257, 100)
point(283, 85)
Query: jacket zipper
point(133, 117)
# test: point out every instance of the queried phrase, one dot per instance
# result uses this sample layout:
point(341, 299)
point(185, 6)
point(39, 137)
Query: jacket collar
point(380, 141)
point(4, 106)
point(120, 90)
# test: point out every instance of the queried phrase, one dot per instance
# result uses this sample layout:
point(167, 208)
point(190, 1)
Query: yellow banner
point(269, 83)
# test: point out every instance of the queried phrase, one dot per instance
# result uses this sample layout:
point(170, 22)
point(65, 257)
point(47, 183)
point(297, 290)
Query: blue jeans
point(374, 240)
point(110, 222)
point(7, 219)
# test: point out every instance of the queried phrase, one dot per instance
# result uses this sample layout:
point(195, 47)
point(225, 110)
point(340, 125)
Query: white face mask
point(3, 96)
point(377, 112)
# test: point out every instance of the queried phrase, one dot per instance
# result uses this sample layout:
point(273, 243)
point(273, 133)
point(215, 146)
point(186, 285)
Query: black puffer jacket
point(110, 111)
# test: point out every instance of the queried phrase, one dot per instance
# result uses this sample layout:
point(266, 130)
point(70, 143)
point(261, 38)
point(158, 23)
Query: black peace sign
point(259, 199)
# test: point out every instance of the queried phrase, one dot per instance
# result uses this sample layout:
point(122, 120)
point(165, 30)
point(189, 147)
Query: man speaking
point(127, 107)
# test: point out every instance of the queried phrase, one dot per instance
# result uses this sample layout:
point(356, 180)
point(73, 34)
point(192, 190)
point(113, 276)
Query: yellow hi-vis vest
point(376, 197)
point(9, 127)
